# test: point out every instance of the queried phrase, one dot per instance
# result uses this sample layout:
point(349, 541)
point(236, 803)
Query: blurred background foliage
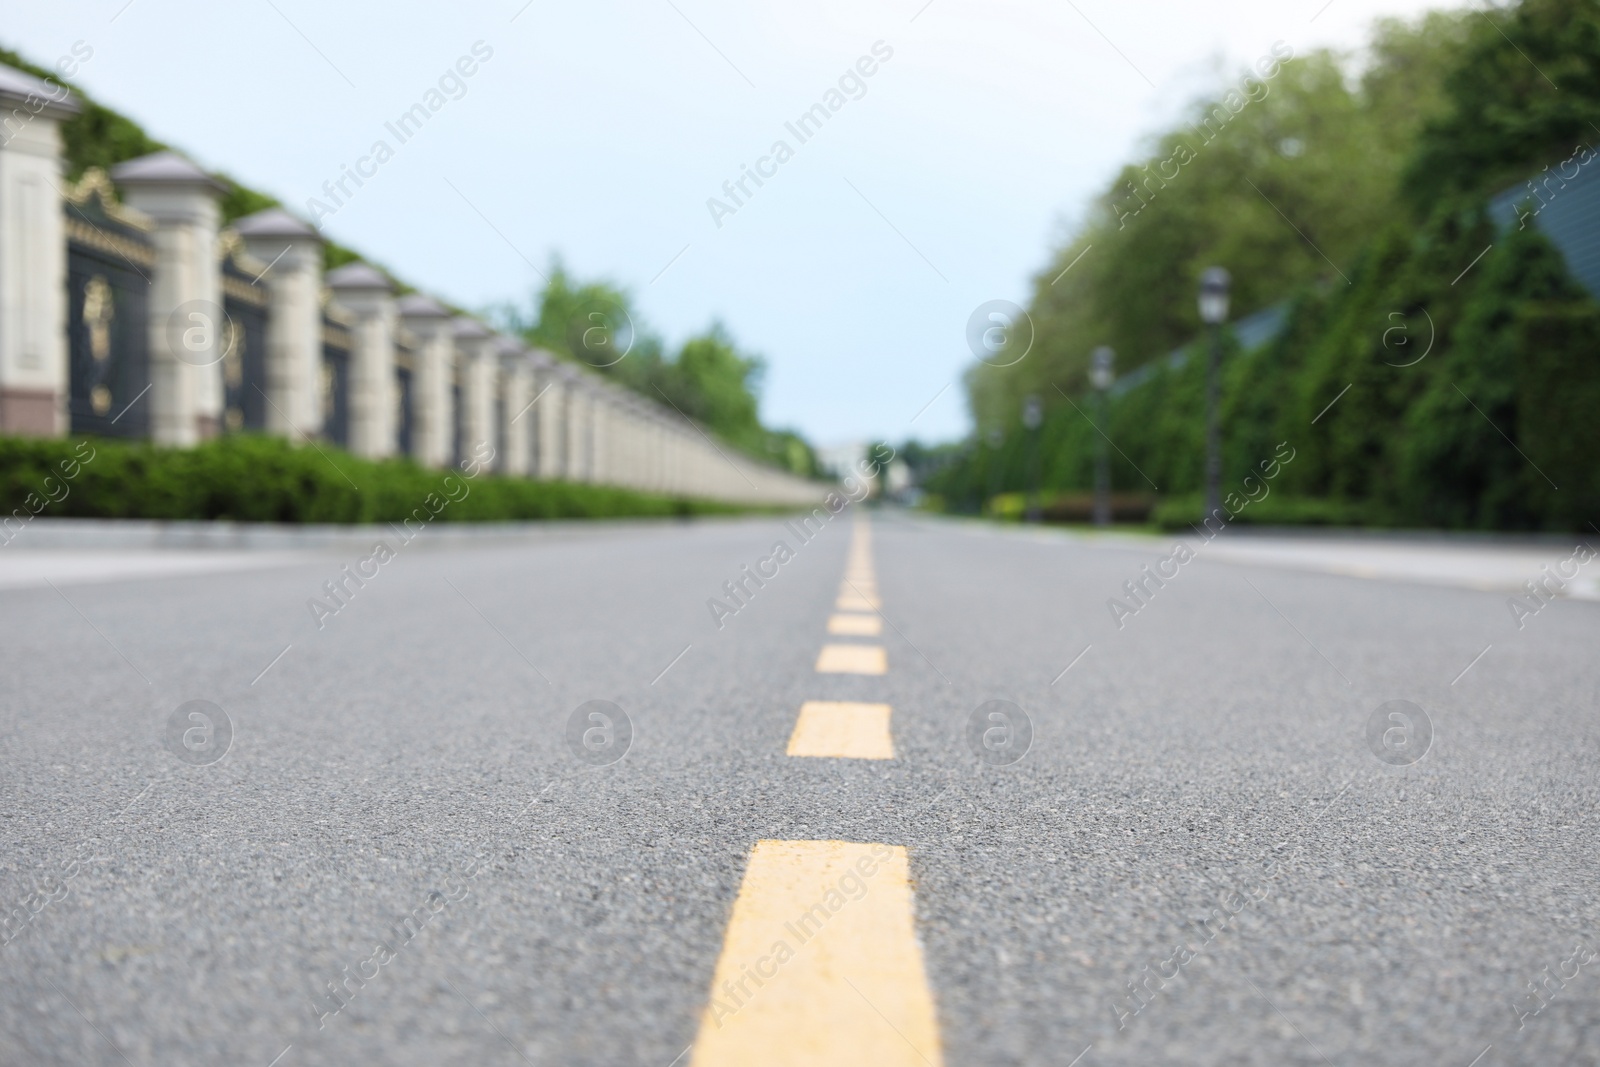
point(1353, 193)
point(709, 379)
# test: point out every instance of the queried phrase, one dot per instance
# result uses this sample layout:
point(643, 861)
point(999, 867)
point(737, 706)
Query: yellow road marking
point(855, 625)
point(820, 965)
point(856, 602)
point(852, 659)
point(840, 729)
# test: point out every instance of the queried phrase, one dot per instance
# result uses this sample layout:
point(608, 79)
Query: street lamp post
point(1101, 374)
point(1032, 416)
point(1214, 312)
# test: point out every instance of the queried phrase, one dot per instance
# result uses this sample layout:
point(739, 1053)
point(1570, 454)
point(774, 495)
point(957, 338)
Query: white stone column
point(639, 453)
point(478, 367)
point(35, 365)
point(514, 415)
point(433, 410)
point(676, 474)
point(367, 294)
point(187, 325)
point(548, 411)
point(679, 449)
point(619, 442)
point(657, 438)
point(293, 251)
point(625, 464)
point(603, 435)
point(650, 448)
point(578, 425)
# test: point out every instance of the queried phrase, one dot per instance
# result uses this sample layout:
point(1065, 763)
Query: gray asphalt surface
point(1209, 758)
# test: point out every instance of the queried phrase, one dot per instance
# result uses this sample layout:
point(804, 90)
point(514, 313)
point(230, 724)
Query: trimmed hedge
point(1184, 512)
point(248, 478)
point(1410, 399)
point(1072, 507)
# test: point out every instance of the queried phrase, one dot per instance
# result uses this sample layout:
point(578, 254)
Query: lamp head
point(1102, 367)
point(1214, 296)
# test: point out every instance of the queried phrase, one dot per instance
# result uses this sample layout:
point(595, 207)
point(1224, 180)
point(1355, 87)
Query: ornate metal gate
point(404, 365)
point(244, 341)
point(335, 384)
point(109, 264)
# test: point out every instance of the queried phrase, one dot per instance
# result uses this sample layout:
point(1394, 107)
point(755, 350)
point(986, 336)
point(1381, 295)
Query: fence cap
point(422, 306)
point(359, 275)
point(275, 222)
point(470, 328)
point(16, 85)
point(165, 168)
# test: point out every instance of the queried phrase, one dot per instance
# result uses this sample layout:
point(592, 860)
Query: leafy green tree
point(709, 379)
point(1412, 390)
point(1526, 91)
point(1284, 192)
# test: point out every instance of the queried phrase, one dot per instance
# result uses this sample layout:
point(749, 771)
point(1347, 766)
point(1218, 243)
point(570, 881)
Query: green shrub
point(1184, 512)
point(248, 478)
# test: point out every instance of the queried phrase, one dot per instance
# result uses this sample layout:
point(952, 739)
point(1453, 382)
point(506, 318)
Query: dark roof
point(1252, 331)
point(1567, 212)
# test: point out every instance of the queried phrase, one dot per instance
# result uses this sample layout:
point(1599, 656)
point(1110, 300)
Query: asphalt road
point(1200, 858)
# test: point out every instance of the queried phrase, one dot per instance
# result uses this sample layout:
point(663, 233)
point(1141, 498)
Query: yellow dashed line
point(820, 964)
point(852, 659)
point(840, 729)
point(855, 625)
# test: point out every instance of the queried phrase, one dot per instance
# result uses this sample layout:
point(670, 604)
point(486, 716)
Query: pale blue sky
point(600, 130)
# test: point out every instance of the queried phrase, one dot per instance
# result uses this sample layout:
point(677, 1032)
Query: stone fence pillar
point(602, 435)
point(577, 424)
point(433, 408)
point(480, 373)
point(513, 414)
point(35, 370)
point(293, 254)
point(186, 320)
point(368, 295)
point(546, 434)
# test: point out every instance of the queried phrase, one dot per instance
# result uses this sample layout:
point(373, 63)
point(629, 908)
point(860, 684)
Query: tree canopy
point(1354, 190)
point(710, 379)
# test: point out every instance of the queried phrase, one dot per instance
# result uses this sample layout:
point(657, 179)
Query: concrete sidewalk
point(1499, 568)
point(84, 551)
point(1487, 563)
point(71, 566)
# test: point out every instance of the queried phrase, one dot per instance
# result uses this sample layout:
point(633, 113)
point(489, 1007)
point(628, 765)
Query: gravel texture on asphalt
point(1199, 860)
